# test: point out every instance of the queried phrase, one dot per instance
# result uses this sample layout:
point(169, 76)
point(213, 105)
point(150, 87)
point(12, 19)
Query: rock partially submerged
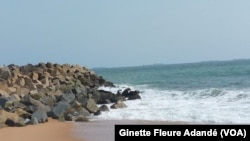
point(31, 94)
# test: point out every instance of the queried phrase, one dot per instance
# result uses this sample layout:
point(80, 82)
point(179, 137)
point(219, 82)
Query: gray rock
point(28, 100)
point(18, 104)
point(5, 73)
point(134, 95)
point(49, 100)
point(90, 105)
point(78, 90)
point(104, 108)
point(131, 95)
point(68, 97)
point(33, 121)
point(59, 110)
point(3, 100)
point(118, 104)
point(40, 115)
point(97, 113)
point(105, 96)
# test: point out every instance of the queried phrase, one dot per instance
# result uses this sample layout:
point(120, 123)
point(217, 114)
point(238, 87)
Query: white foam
point(206, 106)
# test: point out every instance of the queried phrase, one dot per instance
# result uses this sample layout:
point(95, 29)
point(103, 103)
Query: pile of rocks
point(30, 94)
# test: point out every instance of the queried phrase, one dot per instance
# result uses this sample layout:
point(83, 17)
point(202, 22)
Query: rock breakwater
point(30, 94)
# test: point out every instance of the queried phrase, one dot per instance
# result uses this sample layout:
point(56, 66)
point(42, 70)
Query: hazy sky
point(112, 33)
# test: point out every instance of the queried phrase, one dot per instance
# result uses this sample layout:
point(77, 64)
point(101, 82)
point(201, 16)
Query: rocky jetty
point(30, 94)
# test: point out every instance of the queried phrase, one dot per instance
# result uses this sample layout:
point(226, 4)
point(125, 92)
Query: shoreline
point(53, 130)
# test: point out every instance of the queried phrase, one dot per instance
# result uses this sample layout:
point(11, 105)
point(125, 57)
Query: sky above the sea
point(114, 33)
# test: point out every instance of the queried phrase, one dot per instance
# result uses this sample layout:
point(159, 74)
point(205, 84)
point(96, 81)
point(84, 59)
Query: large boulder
point(90, 105)
point(7, 102)
point(104, 108)
point(118, 104)
point(59, 110)
point(37, 105)
point(105, 97)
point(68, 96)
point(74, 113)
point(131, 95)
point(40, 115)
point(49, 100)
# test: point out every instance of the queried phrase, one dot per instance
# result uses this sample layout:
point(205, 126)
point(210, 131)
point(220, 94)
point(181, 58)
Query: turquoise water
point(198, 92)
point(224, 74)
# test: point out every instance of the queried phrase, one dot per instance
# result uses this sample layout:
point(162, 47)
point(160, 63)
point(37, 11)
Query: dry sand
point(51, 131)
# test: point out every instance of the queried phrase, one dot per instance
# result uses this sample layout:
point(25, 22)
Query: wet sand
point(51, 131)
point(104, 129)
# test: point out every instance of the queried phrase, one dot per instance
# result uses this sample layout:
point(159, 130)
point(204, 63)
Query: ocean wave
point(210, 105)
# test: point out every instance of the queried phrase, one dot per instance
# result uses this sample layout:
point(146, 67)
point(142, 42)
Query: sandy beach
point(104, 129)
point(71, 131)
point(51, 131)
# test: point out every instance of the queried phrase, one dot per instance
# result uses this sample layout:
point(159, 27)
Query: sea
point(202, 92)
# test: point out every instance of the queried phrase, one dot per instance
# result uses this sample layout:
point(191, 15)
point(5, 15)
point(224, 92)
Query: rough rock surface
point(30, 94)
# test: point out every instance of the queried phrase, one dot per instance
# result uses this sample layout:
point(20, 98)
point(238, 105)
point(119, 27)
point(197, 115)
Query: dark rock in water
point(104, 108)
point(134, 95)
point(126, 92)
point(106, 97)
point(40, 116)
point(59, 110)
point(131, 95)
point(119, 97)
point(98, 112)
point(118, 104)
